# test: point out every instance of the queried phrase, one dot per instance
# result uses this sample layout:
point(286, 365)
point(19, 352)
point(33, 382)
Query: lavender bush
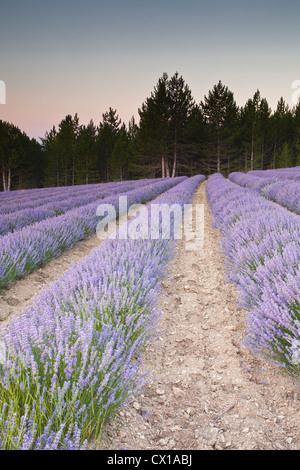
point(73, 358)
point(13, 203)
point(279, 173)
point(283, 191)
point(261, 244)
point(23, 251)
point(16, 218)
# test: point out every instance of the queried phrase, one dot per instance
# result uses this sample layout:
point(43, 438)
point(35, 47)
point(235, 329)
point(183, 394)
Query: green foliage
point(106, 139)
point(221, 118)
point(164, 117)
point(21, 158)
point(285, 158)
point(174, 136)
point(254, 131)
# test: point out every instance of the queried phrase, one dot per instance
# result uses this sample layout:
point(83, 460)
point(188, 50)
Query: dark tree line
point(21, 159)
point(174, 136)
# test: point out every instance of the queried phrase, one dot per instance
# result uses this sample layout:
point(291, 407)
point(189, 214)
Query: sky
point(66, 57)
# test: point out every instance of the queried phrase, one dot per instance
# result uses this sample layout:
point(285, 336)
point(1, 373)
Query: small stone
point(163, 442)
point(136, 405)
point(230, 328)
point(159, 391)
point(178, 392)
point(176, 428)
point(172, 443)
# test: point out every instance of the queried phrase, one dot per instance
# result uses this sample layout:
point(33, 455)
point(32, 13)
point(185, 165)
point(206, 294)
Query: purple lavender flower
point(261, 244)
point(77, 349)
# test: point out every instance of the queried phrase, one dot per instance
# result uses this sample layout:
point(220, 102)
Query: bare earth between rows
point(208, 390)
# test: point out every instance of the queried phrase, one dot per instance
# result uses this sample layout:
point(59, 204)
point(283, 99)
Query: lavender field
point(73, 359)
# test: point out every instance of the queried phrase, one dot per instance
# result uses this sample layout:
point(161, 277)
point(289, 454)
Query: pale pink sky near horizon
point(73, 57)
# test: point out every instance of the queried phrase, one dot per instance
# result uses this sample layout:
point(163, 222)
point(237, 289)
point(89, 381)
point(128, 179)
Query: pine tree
point(282, 121)
point(285, 158)
point(12, 143)
point(67, 134)
point(195, 161)
point(52, 174)
point(264, 129)
point(254, 131)
point(181, 104)
point(221, 114)
point(153, 139)
point(85, 171)
point(120, 159)
point(106, 139)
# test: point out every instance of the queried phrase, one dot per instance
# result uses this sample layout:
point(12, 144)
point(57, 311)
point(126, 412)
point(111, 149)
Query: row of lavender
point(20, 195)
point(17, 216)
point(279, 173)
point(26, 199)
point(73, 358)
point(23, 251)
point(261, 244)
point(283, 191)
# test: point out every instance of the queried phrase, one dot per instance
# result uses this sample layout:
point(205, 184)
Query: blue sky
point(60, 58)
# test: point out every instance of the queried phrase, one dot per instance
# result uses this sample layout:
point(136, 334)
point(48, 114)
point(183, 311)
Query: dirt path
point(15, 298)
point(208, 390)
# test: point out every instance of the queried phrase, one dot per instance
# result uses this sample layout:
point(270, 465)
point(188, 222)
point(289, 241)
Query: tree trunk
point(174, 163)
point(262, 157)
point(218, 156)
point(73, 172)
point(274, 154)
point(9, 179)
point(167, 168)
point(162, 166)
point(252, 149)
point(86, 169)
point(57, 171)
point(4, 180)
